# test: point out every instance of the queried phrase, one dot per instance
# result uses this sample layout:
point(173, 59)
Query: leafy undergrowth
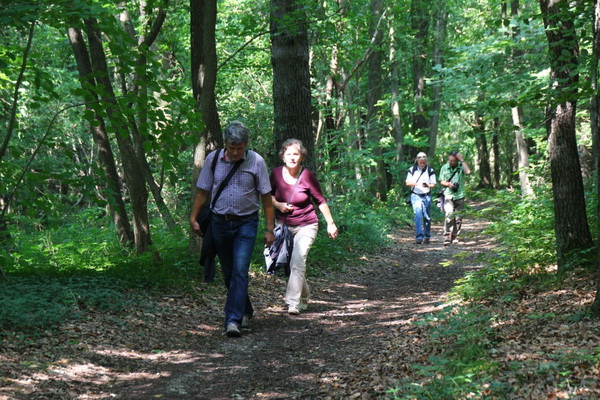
point(540, 346)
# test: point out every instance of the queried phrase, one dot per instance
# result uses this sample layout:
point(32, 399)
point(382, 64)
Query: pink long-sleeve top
point(308, 189)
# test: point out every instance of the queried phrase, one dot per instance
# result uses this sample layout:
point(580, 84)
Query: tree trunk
point(419, 17)
point(203, 17)
point(203, 48)
point(522, 151)
point(134, 176)
point(291, 76)
point(483, 154)
point(441, 23)
point(571, 225)
point(496, 153)
point(373, 123)
point(116, 205)
point(595, 116)
point(395, 103)
point(139, 90)
point(517, 111)
point(15, 99)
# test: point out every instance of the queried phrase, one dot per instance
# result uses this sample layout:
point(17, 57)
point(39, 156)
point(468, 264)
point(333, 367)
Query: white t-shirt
point(420, 176)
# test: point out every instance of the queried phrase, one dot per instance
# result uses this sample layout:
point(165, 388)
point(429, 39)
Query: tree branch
point(13, 112)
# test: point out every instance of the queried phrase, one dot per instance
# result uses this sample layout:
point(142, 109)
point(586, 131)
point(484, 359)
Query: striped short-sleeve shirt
point(242, 195)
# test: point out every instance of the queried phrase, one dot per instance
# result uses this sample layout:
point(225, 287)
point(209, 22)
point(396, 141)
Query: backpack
point(414, 168)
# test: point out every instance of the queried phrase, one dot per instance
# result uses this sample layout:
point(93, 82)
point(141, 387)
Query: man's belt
point(231, 217)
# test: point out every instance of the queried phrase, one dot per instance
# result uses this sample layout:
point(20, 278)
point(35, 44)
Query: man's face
point(421, 162)
point(235, 152)
point(453, 161)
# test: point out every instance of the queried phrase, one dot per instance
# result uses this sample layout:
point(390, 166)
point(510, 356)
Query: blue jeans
point(422, 209)
point(234, 243)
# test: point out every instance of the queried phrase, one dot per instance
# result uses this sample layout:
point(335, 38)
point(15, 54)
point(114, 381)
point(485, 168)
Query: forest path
point(334, 349)
point(347, 343)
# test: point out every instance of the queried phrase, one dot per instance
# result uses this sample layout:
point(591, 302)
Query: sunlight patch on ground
point(203, 330)
point(174, 357)
point(88, 373)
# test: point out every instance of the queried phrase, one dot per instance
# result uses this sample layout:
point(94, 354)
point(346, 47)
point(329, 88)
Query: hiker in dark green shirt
point(452, 178)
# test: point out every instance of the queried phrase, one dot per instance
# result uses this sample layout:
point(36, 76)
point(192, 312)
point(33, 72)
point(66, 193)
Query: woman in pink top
point(294, 189)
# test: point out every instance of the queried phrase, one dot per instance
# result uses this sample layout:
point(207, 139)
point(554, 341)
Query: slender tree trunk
point(419, 16)
point(571, 225)
point(496, 153)
point(517, 111)
point(134, 176)
point(329, 116)
point(522, 151)
point(483, 154)
point(116, 205)
point(395, 92)
point(441, 24)
point(15, 99)
point(595, 116)
point(291, 76)
point(374, 92)
point(139, 90)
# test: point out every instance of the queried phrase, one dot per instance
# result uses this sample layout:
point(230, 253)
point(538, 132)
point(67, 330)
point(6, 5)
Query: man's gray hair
point(236, 133)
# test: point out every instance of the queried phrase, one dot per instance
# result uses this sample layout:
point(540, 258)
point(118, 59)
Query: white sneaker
point(293, 310)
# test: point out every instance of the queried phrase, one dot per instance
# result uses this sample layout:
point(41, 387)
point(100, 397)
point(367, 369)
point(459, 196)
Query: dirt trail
point(333, 350)
point(322, 352)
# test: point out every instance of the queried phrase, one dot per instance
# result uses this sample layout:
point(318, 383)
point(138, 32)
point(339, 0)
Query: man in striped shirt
point(234, 220)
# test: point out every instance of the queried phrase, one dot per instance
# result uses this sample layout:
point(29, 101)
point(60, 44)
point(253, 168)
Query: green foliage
point(59, 274)
point(32, 304)
point(460, 366)
point(526, 246)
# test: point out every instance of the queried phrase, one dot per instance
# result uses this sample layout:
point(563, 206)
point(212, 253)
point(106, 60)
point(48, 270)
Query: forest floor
point(356, 340)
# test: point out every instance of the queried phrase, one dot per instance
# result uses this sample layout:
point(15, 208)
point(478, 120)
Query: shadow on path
point(313, 354)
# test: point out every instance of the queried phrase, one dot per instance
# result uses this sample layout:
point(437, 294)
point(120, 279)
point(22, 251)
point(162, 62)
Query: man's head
point(236, 137)
point(421, 160)
point(453, 159)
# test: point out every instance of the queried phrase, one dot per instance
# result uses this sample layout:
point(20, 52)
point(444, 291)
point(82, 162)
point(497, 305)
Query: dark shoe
point(426, 241)
point(419, 241)
point(246, 321)
point(447, 241)
point(233, 330)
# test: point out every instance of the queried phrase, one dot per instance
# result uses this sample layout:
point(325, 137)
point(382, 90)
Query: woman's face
point(292, 156)
point(422, 162)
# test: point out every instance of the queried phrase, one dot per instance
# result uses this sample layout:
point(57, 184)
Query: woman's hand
point(284, 207)
point(332, 230)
